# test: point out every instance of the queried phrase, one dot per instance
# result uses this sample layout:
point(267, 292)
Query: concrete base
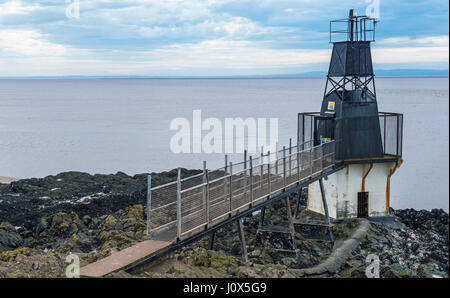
point(341, 190)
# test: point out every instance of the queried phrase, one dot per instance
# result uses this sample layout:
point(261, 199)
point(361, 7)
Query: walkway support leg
point(291, 223)
point(297, 203)
point(325, 207)
point(211, 240)
point(240, 227)
point(261, 216)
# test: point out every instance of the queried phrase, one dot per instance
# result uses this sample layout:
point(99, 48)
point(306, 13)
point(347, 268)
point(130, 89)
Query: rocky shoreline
point(43, 220)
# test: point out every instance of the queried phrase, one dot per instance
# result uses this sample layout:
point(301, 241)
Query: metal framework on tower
point(351, 63)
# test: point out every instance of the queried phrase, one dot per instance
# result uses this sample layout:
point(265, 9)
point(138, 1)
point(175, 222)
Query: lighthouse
point(367, 143)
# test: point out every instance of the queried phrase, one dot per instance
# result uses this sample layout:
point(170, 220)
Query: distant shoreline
point(212, 78)
point(7, 180)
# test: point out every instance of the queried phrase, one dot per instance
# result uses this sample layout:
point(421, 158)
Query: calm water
point(105, 126)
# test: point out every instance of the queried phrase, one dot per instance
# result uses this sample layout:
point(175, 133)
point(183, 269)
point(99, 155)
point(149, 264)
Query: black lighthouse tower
point(349, 112)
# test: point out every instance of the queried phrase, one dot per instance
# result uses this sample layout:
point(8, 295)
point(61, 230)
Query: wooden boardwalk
point(123, 258)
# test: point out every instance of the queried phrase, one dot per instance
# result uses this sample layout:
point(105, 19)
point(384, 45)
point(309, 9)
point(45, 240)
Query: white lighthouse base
point(342, 188)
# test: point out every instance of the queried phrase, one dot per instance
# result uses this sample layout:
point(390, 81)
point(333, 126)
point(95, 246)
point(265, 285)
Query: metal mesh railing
point(188, 205)
point(356, 137)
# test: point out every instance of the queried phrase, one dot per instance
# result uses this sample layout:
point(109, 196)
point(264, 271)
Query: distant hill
point(379, 73)
point(312, 74)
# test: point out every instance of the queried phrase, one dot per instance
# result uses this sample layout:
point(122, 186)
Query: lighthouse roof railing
point(356, 28)
point(391, 133)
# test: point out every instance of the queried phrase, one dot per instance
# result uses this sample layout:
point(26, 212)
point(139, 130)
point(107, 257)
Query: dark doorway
point(363, 204)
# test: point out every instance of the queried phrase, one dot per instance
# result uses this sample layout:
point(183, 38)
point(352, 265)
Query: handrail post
point(251, 181)
point(245, 169)
point(284, 165)
point(298, 163)
point(231, 186)
point(226, 163)
point(261, 162)
point(268, 174)
point(245, 159)
point(224, 180)
point(310, 160)
point(179, 204)
point(290, 158)
point(322, 146)
point(276, 158)
point(205, 192)
point(397, 140)
point(149, 204)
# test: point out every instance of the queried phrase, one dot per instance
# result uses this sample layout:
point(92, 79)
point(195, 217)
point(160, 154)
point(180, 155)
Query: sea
point(48, 126)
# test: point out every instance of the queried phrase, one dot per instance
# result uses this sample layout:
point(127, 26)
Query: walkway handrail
point(188, 205)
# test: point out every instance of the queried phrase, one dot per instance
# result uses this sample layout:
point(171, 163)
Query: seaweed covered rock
point(219, 261)
point(9, 238)
point(435, 220)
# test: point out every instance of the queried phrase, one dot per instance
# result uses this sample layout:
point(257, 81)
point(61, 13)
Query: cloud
point(206, 37)
point(411, 55)
point(15, 7)
point(16, 43)
point(235, 55)
point(440, 41)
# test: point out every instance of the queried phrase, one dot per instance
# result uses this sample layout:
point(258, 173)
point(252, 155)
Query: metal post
point(268, 173)
point(251, 181)
point(261, 216)
point(284, 165)
point(298, 162)
point(240, 227)
point(397, 139)
point(245, 159)
point(149, 204)
point(231, 186)
point(297, 203)
point(321, 154)
point(384, 135)
point(400, 137)
point(276, 158)
point(245, 170)
point(179, 204)
point(290, 159)
point(261, 161)
point(325, 207)
point(224, 180)
point(205, 192)
point(211, 240)
point(291, 223)
point(311, 161)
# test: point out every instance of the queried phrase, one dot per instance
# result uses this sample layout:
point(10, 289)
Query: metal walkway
point(188, 208)
point(123, 258)
point(189, 205)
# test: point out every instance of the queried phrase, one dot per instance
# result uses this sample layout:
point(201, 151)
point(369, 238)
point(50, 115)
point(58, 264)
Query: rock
point(9, 238)
point(213, 259)
point(12, 255)
point(289, 262)
point(358, 273)
point(35, 265)
point(96, 215)
point(120, 274)
point(246, 272)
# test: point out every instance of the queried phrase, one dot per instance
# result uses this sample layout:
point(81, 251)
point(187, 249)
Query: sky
point(209, 37)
